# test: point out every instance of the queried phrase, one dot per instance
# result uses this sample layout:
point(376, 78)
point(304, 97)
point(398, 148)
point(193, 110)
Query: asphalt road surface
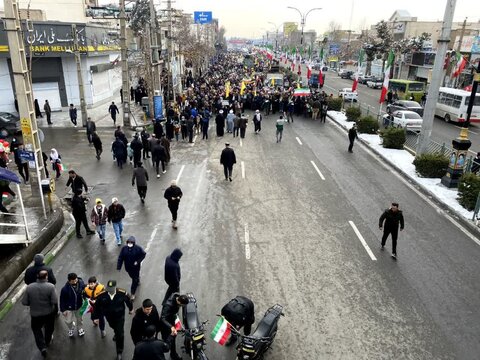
point(287, 230)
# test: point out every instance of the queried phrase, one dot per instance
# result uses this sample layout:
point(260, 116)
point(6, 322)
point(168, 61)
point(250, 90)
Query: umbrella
point(301, 92)
point(8, 175)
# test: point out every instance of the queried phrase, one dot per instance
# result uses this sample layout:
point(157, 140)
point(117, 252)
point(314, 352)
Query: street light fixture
point(303, 18)
point(276, 33)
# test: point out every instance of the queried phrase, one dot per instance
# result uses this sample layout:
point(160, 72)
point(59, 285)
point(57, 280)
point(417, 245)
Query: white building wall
point(71, 11)
point(6, 88)
point(71, 80)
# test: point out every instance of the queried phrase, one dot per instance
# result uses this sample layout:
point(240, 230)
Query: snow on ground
point(403, 160)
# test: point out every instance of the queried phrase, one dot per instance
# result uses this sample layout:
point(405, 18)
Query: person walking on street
point(150, 348)
point(22, 164)
point(158, 156)
point(31, 274)
point(136, 146)
point(119, 151)
point(140, 175)
point(236, 125)
point(72, 112)
point(71, 300)
point(290, 110)
point(97, 144)
point(323, 115)
point(36, 105)
point(91, 128)
point(99, 217)
point(279, 126)
point(79, 213)
point(190, 128)
point(173, 194)
point(76, 182)
point(145, 136)
point(42, 299)
point(116, 213)
point(352, 135)
point(170, 309)
point(91, 292)
point(56, 160)
point(113, 110)
point(392, 218)
point(48, 112)
point(145, 316)
point(132, 256)
point(230, 120)
point(172, 273)
point(111, 304)
point(242, 124)
point(166, 145)
point(257, 121)
point(220, 124)
point(228, 159)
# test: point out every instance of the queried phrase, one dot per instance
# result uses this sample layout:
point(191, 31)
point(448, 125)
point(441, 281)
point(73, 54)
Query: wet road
point(282, 232)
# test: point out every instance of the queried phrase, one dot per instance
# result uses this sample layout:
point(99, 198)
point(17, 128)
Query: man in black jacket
point(173, 194)
point(240, 312)
point(352, 135)
point(32, 272)
point(392, 217)
point(227, 159)
point(172, 273)
point(76, 182)
point(116, 213)
point(136, 146)
point(132, 256)
point(79, 213)
point(145, 316)
point(150, 348)
point(169, 315)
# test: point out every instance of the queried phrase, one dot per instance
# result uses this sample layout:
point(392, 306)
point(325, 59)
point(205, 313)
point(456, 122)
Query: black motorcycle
point(253, 347)
point(193, 330)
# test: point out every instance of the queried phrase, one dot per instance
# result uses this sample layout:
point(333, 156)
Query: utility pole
point(437, 74)
point(171, 85)
point(125, 79)
point(23, 92)
point(81, 88)
point(156, 83)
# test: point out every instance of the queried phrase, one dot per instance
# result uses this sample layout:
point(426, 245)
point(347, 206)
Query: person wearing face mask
point(132, 256)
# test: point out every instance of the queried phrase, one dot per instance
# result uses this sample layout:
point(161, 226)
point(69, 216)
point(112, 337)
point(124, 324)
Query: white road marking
point(243, 169)
point(362, 240)
point(180, 173)
point(298, 140)
point(194, 139)
point(318, 170)
point(150, 241)
point(241, 142)
point(247, 242)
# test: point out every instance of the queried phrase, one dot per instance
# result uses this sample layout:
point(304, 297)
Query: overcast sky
point(249, 18)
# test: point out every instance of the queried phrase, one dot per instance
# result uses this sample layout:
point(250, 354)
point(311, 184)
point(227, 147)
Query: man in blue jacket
point(132, 255)
point(70, 303)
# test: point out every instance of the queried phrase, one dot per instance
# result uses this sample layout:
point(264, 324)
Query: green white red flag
point(85, 308)
point(309, 70)
point(386, 78)
point(221, 332)
point(461, 63)
point(359, 67)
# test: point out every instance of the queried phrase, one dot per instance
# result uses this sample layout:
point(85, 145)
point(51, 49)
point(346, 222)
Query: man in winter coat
point(145, 136)
point(159, 156)
point(97, 144)
point(158, 129)
point(166, 144)
point(240, 312)
point(91, 292)
point(140, 175)
point(220, 123)
point(111, 304)
point(76, 182)
point(119, 150)
point(91, 127)
point(228, 159)
point(113, 110)
point(392, 217)
point(79, 213)
point(116, 213)
point(242, 124)
point(48, 112)
point(169, 314)
point(352, 135)
point(145, 316)
point(190, 128)
point(72, 111)
point(136, 146)
point(173, 194)
point(99, 217)
point(150, 348)
point(172, 273)
point(257, 121)
point(31, 273)
point(43, 302)
point(71, 300)
point(132, 256)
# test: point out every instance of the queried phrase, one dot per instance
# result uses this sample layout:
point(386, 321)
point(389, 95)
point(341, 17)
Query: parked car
point(409, 120)
point(353, 74)
point(405, 105)
point(375, 83)
point(346, 74)
point(9, 124)
point(341, 71)
point(362, 79)
point(348, 95)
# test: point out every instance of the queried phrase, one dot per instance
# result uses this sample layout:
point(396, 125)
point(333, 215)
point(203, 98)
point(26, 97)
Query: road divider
point(318, 170)
point(362, 240)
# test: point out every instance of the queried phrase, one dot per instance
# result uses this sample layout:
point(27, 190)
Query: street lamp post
point(276, 33)
point(303, 18)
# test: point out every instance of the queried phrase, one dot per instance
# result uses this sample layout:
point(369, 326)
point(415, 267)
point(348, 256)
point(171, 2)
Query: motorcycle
point(253, 347)
point(193, 330)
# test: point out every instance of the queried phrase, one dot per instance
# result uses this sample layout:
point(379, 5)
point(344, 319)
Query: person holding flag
point(90, 293)
point(71, 302)
point(170, 324)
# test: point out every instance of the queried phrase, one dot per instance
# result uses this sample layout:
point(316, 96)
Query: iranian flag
point(309, 71)
point(386, 75)
point(221, 332)
point(178, 324)
point(461, 63)
point(320, 74)
point(86, 307)
point(359, 67)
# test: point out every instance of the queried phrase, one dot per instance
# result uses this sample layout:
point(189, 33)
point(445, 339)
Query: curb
point(473, 228)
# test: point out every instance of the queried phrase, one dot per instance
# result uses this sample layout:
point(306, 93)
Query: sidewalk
point(402, 161)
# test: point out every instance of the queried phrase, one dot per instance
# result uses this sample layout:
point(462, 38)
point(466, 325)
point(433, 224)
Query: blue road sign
point(202, 17)
point(27, 155)
point(334, 48)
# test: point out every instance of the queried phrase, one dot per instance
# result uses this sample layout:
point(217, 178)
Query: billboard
point(289, 27)
point(157, 107)
point(202, 17)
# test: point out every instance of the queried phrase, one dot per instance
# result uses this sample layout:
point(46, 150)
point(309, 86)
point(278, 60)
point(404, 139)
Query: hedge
point(468, 189)
point(431, 165)
point(393, 138)
point(367, 125)
point(334, 103)
point(353, 113)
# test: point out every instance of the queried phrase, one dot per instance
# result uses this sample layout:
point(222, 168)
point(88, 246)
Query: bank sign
point(202, 17)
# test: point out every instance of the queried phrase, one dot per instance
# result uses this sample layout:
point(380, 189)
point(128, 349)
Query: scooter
point(253, 347)
point(193, 330)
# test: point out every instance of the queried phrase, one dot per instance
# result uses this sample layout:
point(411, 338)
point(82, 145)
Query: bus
point(405, 88)
point(452, 105)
